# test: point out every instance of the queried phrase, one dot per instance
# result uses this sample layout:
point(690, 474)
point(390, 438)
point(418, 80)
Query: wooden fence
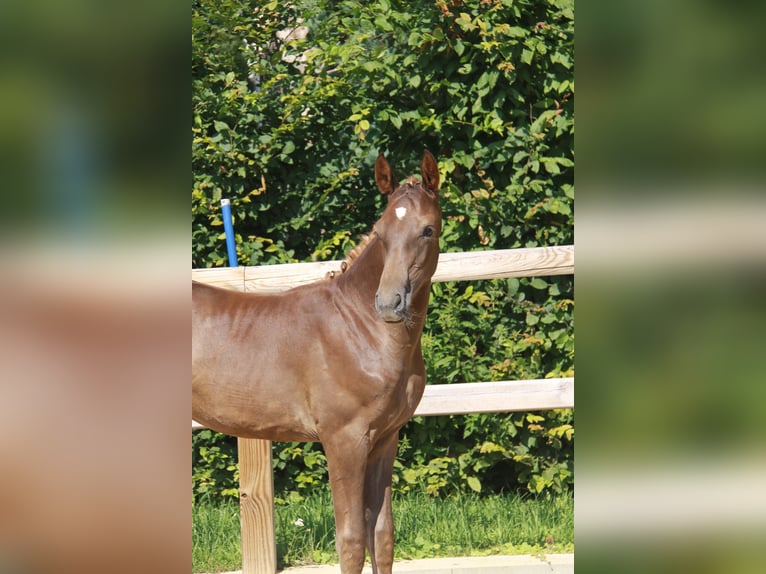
point(255, 468)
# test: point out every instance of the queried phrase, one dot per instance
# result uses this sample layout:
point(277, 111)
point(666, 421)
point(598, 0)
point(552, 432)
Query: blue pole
point(229, 229)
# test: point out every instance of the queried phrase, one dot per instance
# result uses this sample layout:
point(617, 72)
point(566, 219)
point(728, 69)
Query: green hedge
point(290, 131)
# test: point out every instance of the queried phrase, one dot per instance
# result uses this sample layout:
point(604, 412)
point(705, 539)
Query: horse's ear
point(384, 177)
point(430, 172)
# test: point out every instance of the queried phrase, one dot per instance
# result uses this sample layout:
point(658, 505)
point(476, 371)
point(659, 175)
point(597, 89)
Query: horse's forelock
point(412, 184)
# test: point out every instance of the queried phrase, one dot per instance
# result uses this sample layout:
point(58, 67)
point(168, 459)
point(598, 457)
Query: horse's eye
point(428, 231)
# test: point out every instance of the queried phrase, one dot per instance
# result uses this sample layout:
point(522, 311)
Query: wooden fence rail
point(468, 266)
point(255, 464)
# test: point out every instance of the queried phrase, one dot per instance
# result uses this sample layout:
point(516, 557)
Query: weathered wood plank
point(227, 277)
point(496, 397)
point(256, 507)
point(505, 263)
point(466, 266)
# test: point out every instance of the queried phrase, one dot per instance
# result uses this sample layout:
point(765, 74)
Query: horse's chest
point(378, 383)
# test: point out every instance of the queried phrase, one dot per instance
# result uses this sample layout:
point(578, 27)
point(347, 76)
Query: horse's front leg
point(346, 454)
point(377, 503)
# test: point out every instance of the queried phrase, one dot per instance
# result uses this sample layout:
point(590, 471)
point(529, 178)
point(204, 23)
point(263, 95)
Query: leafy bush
point(289, 127)
point(214, 465)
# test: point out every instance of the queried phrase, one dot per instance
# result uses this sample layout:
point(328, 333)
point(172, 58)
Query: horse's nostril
point(398, 301)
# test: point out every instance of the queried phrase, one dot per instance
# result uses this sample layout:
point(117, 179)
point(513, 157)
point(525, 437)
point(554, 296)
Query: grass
point(426, 527)
point(215, 537)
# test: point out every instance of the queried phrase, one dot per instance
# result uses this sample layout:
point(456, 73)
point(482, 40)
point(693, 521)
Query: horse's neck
point(360, 281)
point(360, 284)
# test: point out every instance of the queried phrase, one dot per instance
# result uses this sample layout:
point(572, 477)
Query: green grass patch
point(426, 527)
point(215, 537)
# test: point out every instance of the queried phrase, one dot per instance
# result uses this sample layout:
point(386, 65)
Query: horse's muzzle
point(392, 308)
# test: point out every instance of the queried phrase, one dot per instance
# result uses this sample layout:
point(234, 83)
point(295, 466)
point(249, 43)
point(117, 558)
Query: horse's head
point(409, 232)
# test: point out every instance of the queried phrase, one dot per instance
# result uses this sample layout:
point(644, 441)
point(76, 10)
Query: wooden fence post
point(256, 507)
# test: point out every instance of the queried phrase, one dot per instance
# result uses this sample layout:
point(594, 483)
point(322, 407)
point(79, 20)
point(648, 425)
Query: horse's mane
point(352, 255)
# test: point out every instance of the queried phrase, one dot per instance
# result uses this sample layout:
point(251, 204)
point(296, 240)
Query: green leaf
point(538, 283)
point(464, 21)
point(551, 167)
point(516, 32)
point(382, 23)
point(526, 56)
point(410, 475)
point(474, 483)
point(520, 155)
